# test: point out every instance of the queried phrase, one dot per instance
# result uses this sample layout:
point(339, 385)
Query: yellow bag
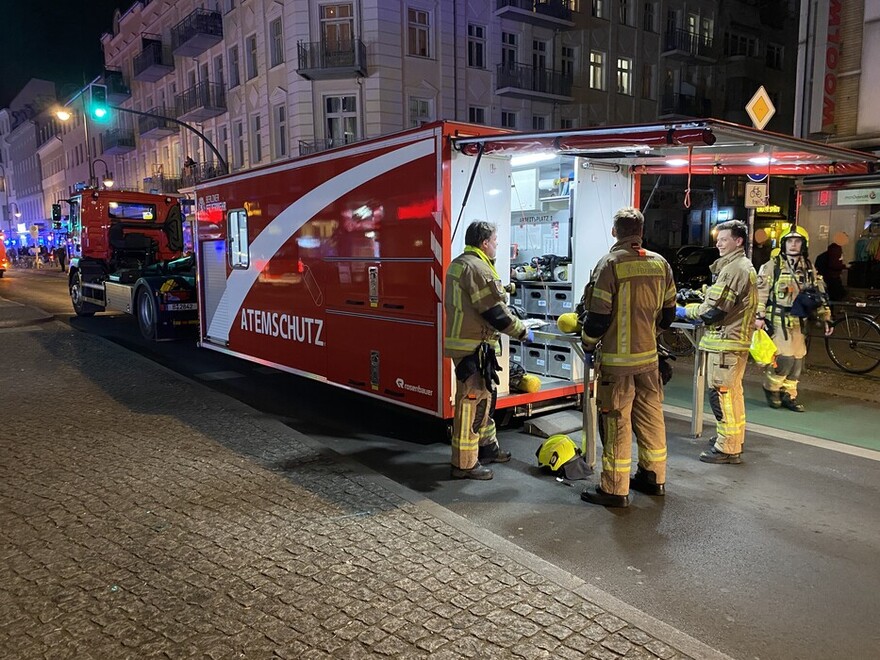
point(762, 350)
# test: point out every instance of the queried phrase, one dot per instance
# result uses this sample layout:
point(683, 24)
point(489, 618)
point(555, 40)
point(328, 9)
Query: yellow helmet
point(556, 451)
point(794, 231)
point(568, 323)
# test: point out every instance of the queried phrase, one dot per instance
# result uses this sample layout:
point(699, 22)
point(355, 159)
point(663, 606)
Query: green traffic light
point(100, 113)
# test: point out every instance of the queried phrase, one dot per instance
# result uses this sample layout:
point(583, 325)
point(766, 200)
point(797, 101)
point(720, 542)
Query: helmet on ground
point(794, 231)
point(556, 451)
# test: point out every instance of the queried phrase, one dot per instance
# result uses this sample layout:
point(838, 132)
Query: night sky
point(58, 40)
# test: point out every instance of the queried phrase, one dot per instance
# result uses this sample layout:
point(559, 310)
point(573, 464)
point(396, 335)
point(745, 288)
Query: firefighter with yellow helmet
point(790, 292)
point(631, 292)
point(476, 312)
point(728, 309)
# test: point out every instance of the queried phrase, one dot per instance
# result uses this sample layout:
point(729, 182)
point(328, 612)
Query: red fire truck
point(129, 257)
point(332, 265)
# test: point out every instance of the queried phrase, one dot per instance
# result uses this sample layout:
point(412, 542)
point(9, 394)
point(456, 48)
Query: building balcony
point(117, 89)
point(201, 102)
point(684, 105)
point(328, 60)
point(323, 144)
point(554, 14)
point(159, 184)
point(682, 45)
point(197, 33)
point(155, 128)
point(527, 82)
point(153, 62)
point(118, 141)
point(198, 172)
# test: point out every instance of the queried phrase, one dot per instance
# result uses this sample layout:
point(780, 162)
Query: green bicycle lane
point(831, 414)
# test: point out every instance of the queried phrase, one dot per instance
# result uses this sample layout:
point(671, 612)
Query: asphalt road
point(775, 558)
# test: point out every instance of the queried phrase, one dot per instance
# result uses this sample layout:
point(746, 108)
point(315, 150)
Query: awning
point(702, 146)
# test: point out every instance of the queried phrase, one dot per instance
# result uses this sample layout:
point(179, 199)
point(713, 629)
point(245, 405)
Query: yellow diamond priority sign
point(760, 108)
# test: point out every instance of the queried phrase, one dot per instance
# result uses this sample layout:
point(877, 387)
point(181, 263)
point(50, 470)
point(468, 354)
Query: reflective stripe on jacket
point(471, 289)
point(734, 292)
point(633, 286)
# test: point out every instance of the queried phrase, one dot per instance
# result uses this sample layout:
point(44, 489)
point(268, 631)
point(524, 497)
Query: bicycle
point(854, 346)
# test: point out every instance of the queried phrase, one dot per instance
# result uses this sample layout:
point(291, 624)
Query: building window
point(340, 117)
point(279, 132)
point(738, 44)
point(597, 69)
point(238, 156)
point(419, 23)
point(251, 56)
point(476, 115)
point(420, 111)
point(476, 53)
point(224, 143)
point(599, 9)
point(237, 231)
point(256, 139)
point(567, 62)
point(566, 123)
point(649, 18)
point(508, 119)
point(624, 75)
point(626, 12)
point(774, 56)
point(649, 81)
point(539, 122)
point(219, 77)
point(276, 54)
point(508, 49)
point(234, 75)
point(337, 27)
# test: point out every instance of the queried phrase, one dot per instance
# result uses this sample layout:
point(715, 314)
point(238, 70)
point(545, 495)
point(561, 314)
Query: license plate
point(181, 307)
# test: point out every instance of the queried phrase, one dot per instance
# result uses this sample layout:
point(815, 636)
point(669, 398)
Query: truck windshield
point(131, 211)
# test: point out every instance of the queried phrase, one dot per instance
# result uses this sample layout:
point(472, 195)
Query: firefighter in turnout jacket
point(728, 310)
point(780, 281)
point(630, 295)
point(476, 312)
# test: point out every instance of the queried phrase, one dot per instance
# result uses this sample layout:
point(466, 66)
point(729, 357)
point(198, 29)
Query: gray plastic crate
point(561, 301)
point(536, 300)
point(559, 362)
point(535, 359)
point(516, 353)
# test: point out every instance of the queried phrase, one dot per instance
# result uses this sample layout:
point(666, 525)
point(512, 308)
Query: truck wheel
point(81, 307)
point(146, 313)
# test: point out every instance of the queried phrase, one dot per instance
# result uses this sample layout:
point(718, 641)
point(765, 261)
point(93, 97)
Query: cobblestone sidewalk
point(143, 515)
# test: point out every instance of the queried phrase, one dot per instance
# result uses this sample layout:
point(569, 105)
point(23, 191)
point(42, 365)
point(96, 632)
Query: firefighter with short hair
point(780, 281)
point(630, 294)
point(476, 314)
point(728, 310)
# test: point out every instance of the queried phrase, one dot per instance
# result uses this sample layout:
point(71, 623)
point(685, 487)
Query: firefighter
point(476, 312)
point(728, 310)
point(631, 292)
point(780, 283)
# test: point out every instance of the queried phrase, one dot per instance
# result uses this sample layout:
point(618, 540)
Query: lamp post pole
point(85, 113)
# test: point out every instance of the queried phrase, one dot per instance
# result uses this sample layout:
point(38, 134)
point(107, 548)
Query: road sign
point(756, 195)
point(757, 178)
point(760, 108)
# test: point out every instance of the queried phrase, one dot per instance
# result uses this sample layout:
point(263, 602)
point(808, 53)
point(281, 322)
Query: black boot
point(480, 472)
point(715, 456)
point(493, 454)
point(645, 482)
point(774, 399)
point(792, 404)
point(605, 499)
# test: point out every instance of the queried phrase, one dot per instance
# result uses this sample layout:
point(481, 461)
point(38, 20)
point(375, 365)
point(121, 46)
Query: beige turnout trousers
point(472, 426)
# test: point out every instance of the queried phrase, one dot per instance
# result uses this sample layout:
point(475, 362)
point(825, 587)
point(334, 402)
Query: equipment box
point(559, 362)
point(560, 300)
point(516, 353)
point(535, 359)
point(536, 300)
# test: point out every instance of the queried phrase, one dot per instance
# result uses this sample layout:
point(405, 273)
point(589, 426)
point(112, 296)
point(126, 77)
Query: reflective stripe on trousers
point(724, 374)
point(630, 404)
point(472, 426)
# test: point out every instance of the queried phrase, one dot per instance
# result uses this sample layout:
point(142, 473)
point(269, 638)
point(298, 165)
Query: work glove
point(530, 336)
point(680, 313)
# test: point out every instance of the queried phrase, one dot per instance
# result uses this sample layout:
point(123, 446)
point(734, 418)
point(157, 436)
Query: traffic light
point(98, 102)
point(56, 216)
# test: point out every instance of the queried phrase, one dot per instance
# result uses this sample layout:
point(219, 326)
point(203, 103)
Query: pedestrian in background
point(629, 299)
point(830, 266)
point(61, 257)
point(728, 310)
point(780, 283)
point(476, 312)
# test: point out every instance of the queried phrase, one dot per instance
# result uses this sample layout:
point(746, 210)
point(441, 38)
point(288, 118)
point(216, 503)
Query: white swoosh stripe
point(292, 219)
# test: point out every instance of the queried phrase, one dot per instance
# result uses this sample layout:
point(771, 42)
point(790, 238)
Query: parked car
point(691, 266)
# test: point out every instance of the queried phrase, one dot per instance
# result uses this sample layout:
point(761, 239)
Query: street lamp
point(108, 175)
